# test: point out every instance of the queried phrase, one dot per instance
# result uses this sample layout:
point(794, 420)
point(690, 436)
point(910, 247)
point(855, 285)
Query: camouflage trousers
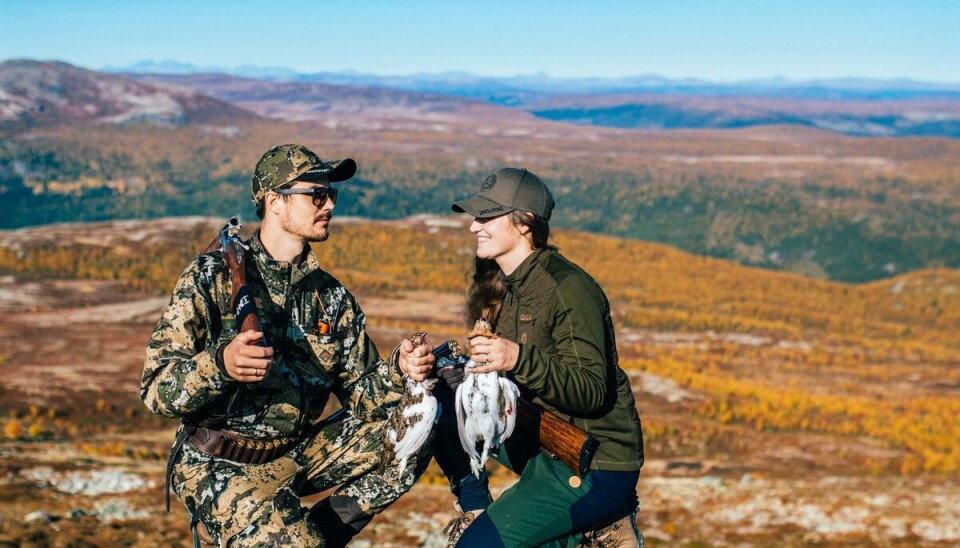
point(259, 504)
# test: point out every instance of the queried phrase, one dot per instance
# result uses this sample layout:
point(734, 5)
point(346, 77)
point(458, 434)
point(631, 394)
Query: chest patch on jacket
point(526, 321)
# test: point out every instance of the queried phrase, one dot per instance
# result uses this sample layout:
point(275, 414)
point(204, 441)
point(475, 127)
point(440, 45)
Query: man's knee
point(234, 507)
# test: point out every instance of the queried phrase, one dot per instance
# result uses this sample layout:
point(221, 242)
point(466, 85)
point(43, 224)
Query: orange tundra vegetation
point(773, 351)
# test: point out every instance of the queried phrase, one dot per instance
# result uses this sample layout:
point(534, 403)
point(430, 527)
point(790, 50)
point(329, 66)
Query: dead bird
point(486, 406)
point(412, 421)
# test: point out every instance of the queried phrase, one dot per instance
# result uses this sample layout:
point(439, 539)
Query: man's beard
point(307, 229)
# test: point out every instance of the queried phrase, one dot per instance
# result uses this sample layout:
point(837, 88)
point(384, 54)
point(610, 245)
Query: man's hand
point(493, 354)
point(416, 361)
point(245, 360)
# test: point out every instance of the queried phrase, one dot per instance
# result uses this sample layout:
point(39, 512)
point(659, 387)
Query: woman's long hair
point(486, 292)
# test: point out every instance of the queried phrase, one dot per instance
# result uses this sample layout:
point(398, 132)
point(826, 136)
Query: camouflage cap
point(506, 190)
point(287, 163)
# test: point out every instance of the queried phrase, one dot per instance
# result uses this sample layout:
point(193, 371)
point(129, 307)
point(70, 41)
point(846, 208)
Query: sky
point(718, 40)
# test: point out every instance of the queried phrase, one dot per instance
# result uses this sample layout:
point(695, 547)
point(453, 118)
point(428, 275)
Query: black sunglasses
point(319, 194)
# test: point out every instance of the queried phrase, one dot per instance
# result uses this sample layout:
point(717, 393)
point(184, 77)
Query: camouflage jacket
point(315, 326)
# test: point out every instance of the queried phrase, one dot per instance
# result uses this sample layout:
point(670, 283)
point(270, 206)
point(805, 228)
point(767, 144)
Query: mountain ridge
point(545, 82)
point(303, 100)
point(36, 94)
point(856, 107)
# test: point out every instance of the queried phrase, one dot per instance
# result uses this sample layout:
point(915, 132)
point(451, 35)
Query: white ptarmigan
point(412, 421)
point(486, 406)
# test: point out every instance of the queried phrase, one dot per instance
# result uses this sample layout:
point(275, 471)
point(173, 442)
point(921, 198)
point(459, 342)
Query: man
point(251, 443)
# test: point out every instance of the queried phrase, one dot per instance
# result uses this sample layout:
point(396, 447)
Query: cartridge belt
point(227, 445)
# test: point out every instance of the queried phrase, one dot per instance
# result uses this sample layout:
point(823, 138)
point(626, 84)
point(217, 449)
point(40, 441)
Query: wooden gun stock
point(241, 296)
point(557, 437)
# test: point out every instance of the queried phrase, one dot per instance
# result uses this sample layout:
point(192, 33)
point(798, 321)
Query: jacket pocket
point(327, 349)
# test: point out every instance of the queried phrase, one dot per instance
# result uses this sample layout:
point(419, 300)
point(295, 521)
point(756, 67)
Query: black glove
point(453, 376)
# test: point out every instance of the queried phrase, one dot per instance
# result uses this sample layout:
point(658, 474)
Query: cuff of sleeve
point(395, 362)
point(215, 370)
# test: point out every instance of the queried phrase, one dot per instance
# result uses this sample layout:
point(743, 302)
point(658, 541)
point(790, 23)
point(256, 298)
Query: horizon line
point(231, 69)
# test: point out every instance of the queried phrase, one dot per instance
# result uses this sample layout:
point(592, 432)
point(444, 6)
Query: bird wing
point(510, 395)
point(422, 415)
point(464, 422)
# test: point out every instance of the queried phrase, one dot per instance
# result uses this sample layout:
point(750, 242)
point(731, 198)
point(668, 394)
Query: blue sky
point(715, 40)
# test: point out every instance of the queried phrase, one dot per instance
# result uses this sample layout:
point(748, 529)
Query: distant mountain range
point(859, 107)
point(302, 100)
point(766, 181)
point(505, 87)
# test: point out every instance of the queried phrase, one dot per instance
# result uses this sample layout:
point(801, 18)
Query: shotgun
point(558, 438)
point(241, 296)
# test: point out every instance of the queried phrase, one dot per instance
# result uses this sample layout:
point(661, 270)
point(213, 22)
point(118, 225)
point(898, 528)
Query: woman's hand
point(493, 354)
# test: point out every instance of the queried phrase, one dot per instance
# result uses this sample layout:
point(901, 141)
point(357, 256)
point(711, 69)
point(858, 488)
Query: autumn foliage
point(769, 351)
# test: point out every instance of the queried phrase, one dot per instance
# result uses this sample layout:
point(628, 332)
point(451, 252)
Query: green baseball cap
point(508, 189)
point(287, 163)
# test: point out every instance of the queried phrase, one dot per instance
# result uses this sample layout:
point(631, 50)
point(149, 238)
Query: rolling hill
point(777, 409)
point(782, 197)
point(38, 94)
point(890, 117)
point(332, 104)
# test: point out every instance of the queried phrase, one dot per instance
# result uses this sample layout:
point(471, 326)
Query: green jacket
point(182, 377)
point(560, 317)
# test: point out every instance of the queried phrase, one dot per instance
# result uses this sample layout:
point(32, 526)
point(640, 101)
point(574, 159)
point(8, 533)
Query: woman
point(556, 342)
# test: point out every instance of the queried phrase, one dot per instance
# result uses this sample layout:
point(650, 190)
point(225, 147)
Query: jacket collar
point(518, 276)
point(270, 267)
